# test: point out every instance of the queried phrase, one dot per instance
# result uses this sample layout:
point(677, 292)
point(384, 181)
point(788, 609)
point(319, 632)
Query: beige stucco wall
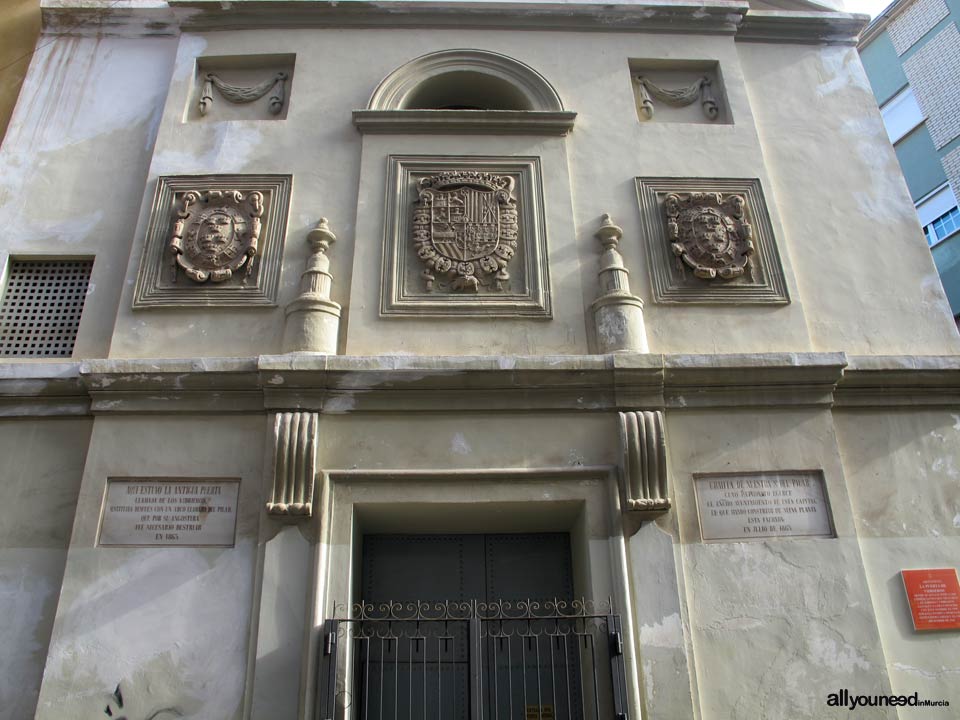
point(772, 626)
point(170, 625)
point(776, 624)
point(41, 463)
point(866, 275)
point(858, 279)
point(903, 471)
point(726, 630)
point(73, 163)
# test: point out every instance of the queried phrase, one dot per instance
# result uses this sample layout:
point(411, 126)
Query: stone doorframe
point(305, 570)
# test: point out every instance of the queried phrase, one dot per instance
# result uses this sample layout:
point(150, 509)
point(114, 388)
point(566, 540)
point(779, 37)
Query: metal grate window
point(40, 310)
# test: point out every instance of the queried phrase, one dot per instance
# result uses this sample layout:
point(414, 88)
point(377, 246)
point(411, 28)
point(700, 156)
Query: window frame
point(899, 120)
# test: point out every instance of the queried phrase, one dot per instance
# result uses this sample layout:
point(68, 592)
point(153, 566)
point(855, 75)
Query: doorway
point(507, 567)
point(467, 627)
point(436, 625)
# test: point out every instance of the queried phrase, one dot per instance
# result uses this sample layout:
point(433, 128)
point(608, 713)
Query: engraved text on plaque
point(194, 512)
point(743, 506)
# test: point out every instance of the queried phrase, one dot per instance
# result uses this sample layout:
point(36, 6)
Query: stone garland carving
point(709, 233)
point(295, 465)
point(313, 319)
point(215, 234)
point(465, 230)
point(618, 313)
point(681, 97)
point(644, 471)
point(239, 94)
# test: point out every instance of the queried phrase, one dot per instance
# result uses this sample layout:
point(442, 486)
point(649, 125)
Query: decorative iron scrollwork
point(422, 610)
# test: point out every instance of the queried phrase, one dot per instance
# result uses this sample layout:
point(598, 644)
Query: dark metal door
point(428, 667)
point(471, 627)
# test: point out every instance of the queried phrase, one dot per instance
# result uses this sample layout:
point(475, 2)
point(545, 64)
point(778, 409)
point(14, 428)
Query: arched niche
point(468, 91)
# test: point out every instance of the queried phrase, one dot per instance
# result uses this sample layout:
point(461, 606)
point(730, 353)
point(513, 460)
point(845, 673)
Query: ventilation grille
point(40, 311)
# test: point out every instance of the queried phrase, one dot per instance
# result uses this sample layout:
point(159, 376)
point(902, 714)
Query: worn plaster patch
point(828, 653)
point(956, 520)
point(171, 611)
point(459, 445)
point(842, 68)
point(191, 47)
point(81, 88)
point(340, 404)
point(945, 465)
point(230, 151)
point(929, 674)
point(667, 633)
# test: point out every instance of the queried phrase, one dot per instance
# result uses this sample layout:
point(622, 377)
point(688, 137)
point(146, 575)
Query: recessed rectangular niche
point(679, 91)
point(710, 241)
point(465, 236)
point(214, 240)
point(241, 87)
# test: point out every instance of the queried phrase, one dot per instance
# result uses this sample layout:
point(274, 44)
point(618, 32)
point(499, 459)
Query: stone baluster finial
point(618, 314)
point(313, 319)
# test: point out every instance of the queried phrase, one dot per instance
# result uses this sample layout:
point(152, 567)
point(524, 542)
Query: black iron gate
point(528, 660)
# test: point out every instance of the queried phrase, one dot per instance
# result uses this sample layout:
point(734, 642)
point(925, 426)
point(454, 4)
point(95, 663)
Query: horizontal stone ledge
point(144, 18)
point(830, 28)
point(133, 18)
point(410, 383)
point(900, 381)
point(471, 122)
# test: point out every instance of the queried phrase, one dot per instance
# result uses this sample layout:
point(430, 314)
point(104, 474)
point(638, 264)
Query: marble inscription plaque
point(745, 506)
point(186, 512)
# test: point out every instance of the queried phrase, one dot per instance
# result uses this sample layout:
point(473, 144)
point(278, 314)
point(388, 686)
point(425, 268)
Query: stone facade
point(184, 501)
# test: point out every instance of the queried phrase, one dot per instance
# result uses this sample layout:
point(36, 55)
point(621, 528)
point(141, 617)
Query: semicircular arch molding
point(513, 82)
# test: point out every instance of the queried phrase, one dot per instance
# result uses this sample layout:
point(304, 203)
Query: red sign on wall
point(934, 597)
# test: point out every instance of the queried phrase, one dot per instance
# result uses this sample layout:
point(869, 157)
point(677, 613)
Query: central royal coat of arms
point(465, 230)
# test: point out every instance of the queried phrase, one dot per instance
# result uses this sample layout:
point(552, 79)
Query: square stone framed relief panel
point(710, 241)
point(214, 240)
point(465, 236)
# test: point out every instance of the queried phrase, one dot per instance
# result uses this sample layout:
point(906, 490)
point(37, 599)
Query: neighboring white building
point(591, 348)
point(911, 53)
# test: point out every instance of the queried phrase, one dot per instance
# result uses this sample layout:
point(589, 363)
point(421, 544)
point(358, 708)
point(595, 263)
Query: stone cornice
point(899, 381)
point(479, 122)
point(42, 388)
point(716, 16)
point(569, 383)
point(139, 18)
point(827, 28)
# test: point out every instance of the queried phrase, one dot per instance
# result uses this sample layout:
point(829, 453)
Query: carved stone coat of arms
point(465, 230)
point(709, 233)
point(215, 234)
